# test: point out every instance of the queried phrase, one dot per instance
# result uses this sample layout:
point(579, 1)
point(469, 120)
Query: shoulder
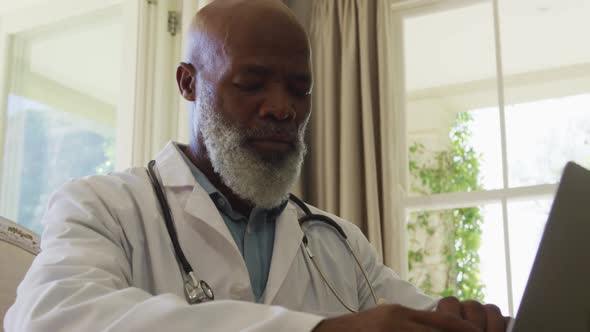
point(356, 238)
point(352, 231)
point(107, 185)
point(99, 204)
point(111, 193)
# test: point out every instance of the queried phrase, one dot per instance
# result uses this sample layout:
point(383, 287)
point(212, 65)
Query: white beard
point(263, 182)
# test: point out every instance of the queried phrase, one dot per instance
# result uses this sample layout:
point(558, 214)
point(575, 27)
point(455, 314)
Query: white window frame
point(147, 115)
point(26, 21)
point(460, 199)
point(158, 118)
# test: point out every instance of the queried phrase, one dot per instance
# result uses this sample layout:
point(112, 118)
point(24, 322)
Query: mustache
point(290, 132)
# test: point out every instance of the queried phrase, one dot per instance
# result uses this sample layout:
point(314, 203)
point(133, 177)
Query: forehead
point(270, 65)
point(267, 41)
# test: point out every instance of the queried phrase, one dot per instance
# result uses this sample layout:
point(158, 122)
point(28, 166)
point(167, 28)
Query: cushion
point(18, 248)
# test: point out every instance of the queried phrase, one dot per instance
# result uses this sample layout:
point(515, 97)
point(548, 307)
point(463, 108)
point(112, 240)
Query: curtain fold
point(351, 168)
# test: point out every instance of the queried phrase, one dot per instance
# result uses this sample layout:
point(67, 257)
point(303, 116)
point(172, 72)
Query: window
point(496, 101)
point(44, 148)
point(61, 110)
point(86, 87)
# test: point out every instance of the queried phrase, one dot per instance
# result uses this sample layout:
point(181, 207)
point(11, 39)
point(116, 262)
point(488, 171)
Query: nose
point(278, 105)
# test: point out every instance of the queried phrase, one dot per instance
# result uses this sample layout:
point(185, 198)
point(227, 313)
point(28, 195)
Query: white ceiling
point(457, 46)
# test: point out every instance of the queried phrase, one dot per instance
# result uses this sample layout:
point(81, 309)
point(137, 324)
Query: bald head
point(226, 25)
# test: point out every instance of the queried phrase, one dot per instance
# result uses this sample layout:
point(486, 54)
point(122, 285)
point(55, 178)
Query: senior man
point(108, 262)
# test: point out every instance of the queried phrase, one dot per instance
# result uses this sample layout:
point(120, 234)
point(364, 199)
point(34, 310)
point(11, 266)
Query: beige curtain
point(351, 169)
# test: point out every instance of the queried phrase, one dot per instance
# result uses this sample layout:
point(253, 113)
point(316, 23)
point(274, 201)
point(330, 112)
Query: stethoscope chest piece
point(197, 291)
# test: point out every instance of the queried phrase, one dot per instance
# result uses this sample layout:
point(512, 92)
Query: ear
point(186, 79)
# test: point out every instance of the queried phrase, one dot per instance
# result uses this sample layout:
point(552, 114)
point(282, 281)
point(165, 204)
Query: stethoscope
point(198, 291)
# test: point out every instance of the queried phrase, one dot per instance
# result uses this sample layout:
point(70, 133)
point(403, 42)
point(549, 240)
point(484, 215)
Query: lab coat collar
point(173, 170)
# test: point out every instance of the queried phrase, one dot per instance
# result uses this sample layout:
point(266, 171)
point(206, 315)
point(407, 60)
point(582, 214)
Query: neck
point(198, 156)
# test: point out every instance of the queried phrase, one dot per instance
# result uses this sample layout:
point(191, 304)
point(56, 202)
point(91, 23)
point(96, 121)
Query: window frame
point(147, 114)
point(31, 23)
point(501, 196)
point(27, 21)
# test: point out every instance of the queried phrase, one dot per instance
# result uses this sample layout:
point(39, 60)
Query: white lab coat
point(107, 263)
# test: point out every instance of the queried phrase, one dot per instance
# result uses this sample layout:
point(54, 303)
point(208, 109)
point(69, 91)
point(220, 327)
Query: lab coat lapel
point(176, 176)
point(288, 237)
point(200, 207)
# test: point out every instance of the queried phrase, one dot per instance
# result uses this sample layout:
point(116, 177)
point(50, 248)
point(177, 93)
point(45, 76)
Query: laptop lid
point(557, 295)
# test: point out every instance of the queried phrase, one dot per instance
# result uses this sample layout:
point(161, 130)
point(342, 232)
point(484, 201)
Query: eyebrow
point(265, 71)
point(256, 70)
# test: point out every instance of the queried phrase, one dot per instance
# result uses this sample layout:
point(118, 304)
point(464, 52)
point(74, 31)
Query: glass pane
point(547, 78)
point(537, 152)
point(493, 258)
point(526, 222)
point(459, 252)
point(61, 111)
point(450, 71)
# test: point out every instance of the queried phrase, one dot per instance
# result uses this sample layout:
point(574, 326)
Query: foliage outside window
point(108, 148)
point(443, 245)
point(55, 148)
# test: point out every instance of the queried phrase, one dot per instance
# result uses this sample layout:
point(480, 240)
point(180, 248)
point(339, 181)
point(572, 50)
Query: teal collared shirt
point(254, 235)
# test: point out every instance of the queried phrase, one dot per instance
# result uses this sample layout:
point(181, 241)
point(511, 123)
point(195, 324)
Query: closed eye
point(251, 87)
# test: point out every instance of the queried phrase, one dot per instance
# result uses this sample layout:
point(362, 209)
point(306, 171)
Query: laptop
point(557, 295)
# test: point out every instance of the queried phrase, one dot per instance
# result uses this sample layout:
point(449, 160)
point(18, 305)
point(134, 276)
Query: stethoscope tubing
point(186, 266)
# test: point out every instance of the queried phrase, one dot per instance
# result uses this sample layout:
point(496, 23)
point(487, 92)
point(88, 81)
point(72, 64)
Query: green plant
point(455, 169)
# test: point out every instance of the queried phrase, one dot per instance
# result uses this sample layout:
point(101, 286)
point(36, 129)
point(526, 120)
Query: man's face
point(265, 84)
point(252, 113)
